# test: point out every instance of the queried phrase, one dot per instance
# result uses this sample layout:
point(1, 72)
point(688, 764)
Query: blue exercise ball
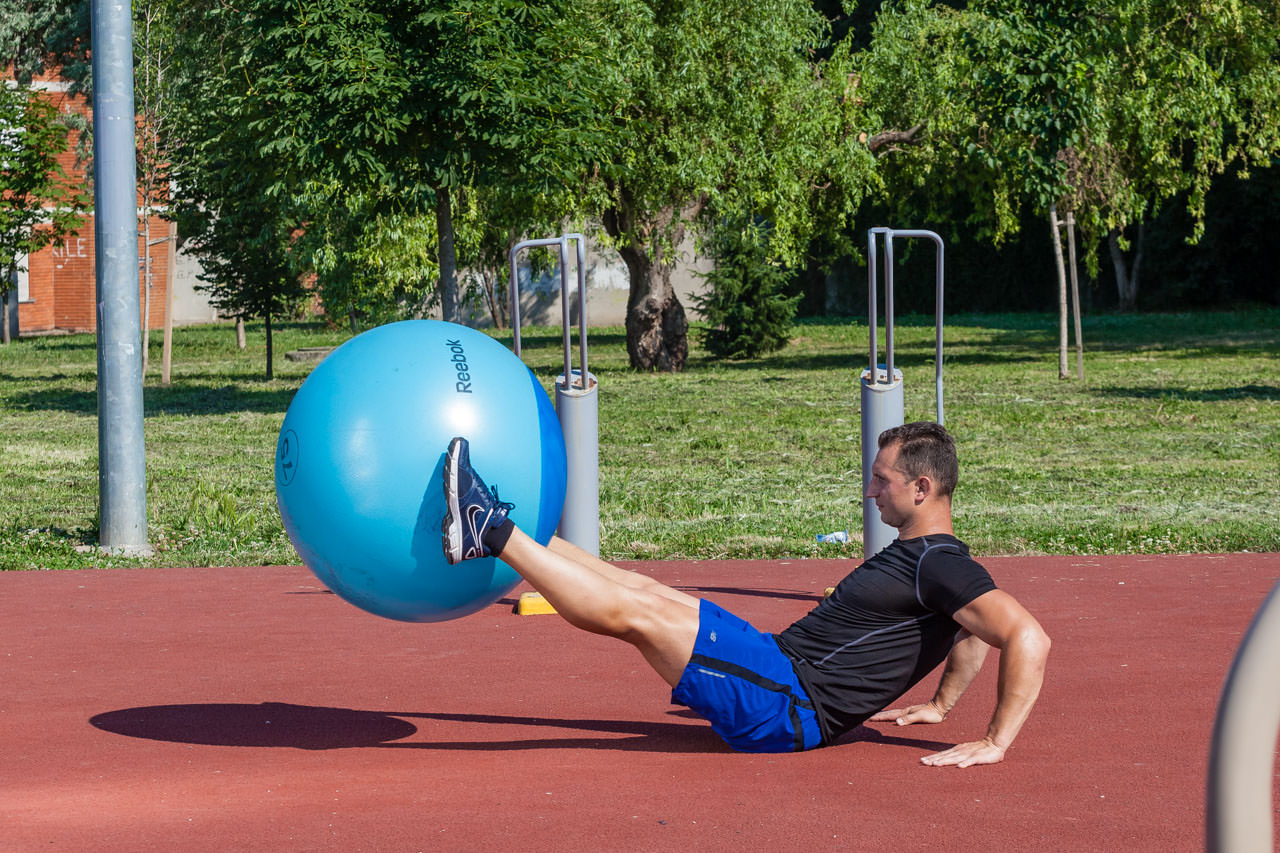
point(361, 453)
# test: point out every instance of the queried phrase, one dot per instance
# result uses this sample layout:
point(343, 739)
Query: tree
point(643, 112)
point(1193, 90)
point(32, 30)
point(721, 106)
point(153, 48)
point(407, 104)
point(231, 203)
point(246, 252)
point(372, 265)
point(1104, 108)
point(375, 262)
point(38, 206)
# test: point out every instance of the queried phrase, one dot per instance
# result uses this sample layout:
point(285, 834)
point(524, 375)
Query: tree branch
point(894, 138)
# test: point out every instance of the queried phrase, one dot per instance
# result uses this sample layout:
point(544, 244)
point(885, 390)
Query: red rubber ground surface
point(248, 709)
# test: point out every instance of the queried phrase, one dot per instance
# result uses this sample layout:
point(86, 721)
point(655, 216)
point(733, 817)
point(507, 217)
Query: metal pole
point(565, 326)
point(938, 288)
point(122, 477)
point(1242, 752)
point(515, 285)
point(888, 305)
point(582, 304)
point(881, 393)
point(872, 288)
point(937, 334)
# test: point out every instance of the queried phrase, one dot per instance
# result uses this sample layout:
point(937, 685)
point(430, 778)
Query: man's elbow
point(1034, 641)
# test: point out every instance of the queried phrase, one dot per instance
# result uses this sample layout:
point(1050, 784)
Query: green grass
point(1171, 444)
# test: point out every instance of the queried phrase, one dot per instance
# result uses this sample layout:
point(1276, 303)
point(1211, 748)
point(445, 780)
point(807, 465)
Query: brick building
point(57, 292)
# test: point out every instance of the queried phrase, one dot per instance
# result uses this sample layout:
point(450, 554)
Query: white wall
point(607, 285)
point(189, 305)
point(607, 288)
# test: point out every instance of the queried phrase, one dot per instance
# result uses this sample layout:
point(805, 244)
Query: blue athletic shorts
point(742, 683)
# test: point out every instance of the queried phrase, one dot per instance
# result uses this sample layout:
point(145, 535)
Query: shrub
point(747, 308)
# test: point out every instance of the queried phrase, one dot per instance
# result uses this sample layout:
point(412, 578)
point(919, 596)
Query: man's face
point(893, 492)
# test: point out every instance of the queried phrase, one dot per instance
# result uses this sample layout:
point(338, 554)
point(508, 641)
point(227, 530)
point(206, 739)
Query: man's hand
point(929, 712)
point(967, 754)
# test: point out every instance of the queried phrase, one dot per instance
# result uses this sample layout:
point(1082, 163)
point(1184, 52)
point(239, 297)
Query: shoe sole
point(452, 527)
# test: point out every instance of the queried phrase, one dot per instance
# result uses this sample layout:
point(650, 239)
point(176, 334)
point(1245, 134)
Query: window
point(24, 280)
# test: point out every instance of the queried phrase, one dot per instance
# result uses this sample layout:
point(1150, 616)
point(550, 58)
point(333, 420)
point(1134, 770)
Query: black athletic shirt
point(885, 627)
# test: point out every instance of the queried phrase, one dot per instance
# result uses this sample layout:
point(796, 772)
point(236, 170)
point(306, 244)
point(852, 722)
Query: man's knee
point(646, 616)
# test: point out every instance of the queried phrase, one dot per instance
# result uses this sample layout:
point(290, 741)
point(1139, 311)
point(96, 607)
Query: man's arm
point(964, 662)
point(999, 620)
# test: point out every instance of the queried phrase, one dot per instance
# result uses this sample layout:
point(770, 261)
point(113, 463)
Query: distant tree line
point(374, 150)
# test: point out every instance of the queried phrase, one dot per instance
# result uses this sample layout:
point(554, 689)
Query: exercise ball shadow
point(269, 724)
point(360, 455)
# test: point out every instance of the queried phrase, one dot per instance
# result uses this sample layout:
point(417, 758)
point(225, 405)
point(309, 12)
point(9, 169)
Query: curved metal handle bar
point(563, 242)
point(1238, 794)
point(872, 286)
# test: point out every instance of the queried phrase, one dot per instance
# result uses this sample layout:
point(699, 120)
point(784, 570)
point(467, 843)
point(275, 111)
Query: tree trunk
point(491, 281)
point(271, 374)
point(8, 285)
point(146, 292)
point(1075, 292)
point(657, 330)
point(241, 343)
point(1126, 274)
point(448, 257)
point(1063, 371)
point(166, 348)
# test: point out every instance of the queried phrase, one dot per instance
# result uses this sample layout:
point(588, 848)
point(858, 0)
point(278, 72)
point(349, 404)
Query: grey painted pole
point(578, 406)
point(882, 409)
point(122, 476)
point(1242, 752)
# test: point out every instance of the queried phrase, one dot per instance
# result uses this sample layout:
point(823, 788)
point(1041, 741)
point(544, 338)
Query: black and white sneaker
point(472, 508)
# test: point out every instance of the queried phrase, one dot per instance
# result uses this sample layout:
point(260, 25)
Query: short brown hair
point(925, 449)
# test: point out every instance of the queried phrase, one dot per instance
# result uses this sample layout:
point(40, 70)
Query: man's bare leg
point(595, 596)
point(623, 576)
point(589, 593)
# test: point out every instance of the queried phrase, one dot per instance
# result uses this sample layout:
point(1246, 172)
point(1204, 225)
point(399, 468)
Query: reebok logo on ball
point(459, 359)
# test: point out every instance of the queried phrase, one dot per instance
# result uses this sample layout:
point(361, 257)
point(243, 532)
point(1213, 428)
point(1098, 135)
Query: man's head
point(913, 477)
point(925, 449)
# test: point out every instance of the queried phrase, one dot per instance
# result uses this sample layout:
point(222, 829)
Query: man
point(918, 602)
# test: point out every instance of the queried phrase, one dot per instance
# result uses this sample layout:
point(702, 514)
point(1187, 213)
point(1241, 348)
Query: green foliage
point(746, 308)
point(720, 105)
point(245, 246)
point(1108, 108)
point(970, 118)
point(372, 265)
point(231, 203)
point(400, 111)
point(1203, 94)
point(21, 23)
point(38, 205)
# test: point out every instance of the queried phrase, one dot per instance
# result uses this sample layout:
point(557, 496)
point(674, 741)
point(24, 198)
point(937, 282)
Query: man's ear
point(923, 489)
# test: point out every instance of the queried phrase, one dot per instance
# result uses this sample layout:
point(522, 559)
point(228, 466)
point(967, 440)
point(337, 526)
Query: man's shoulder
point(929, 544)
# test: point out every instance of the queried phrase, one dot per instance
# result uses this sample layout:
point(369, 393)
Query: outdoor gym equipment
point(882, 392)
point(1238, 797)
point(577, 401)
